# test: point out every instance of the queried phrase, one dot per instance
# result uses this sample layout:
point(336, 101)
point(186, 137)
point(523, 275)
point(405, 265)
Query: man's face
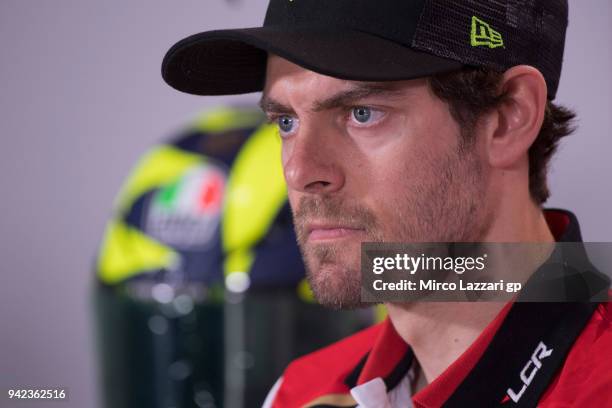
point(369, 162)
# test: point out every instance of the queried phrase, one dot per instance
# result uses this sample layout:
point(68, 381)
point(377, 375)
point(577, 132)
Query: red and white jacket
point(531, 354)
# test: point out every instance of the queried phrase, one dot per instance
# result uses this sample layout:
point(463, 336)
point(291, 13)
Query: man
point(417, 121)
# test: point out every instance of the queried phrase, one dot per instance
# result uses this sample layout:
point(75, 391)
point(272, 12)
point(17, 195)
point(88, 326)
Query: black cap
point(374, 40)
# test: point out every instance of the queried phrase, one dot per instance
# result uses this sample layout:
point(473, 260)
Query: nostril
point(317, 185)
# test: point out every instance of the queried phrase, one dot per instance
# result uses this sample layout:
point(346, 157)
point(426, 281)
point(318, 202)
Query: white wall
point(581, 177)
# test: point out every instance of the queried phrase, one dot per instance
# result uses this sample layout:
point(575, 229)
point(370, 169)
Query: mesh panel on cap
point(533, 33)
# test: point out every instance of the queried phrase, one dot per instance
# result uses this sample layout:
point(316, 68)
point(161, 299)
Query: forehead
point(286, 80)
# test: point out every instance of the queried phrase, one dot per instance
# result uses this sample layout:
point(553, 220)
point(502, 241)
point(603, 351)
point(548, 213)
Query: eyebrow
point(343, 98)
point(269, 105)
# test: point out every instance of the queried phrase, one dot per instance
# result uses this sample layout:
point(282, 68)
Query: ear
point(517, 120)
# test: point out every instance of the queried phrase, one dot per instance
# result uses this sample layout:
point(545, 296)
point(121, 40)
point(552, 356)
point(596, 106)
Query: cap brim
point(234, 61)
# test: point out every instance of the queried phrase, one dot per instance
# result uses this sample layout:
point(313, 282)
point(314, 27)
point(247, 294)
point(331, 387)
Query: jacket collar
point(390, 357)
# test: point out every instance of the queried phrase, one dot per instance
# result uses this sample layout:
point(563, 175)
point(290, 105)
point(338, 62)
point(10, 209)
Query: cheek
point(388, 187)
point(408, 137)
point(285, 153)
point(404, 161)
point(405, 174)
point(293, 198)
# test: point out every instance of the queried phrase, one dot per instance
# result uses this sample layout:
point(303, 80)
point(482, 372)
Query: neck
point(439, 332)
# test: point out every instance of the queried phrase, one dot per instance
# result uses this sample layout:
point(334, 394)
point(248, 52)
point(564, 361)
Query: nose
point(313, 163)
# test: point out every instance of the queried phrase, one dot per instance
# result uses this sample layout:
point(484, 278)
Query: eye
point(362, 114)
point(365, 116)
point(286, 124)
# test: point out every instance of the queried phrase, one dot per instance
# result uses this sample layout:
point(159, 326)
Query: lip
point(326, 232)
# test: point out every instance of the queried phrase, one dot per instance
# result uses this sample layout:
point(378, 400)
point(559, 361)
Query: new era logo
point(483, 34)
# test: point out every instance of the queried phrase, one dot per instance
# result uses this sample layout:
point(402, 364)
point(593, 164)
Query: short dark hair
point(470, 92)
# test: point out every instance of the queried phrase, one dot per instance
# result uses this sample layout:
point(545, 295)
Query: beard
point(332, 271)
point(444, 203)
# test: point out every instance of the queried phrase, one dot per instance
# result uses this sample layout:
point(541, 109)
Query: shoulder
point(596, 338)
point(586, 376)
point(324, 371)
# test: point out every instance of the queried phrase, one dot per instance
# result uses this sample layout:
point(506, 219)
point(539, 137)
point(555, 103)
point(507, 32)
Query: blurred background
point(82, 99)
